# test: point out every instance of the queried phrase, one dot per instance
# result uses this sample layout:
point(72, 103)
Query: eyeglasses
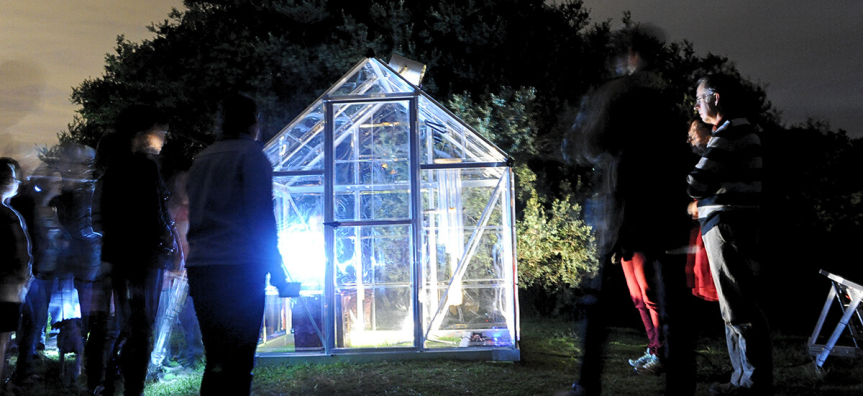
point(702, 98)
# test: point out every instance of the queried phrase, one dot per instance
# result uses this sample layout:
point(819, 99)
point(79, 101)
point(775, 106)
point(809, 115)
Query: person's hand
point(286, 289)
point(278, 281)
point(692, 209)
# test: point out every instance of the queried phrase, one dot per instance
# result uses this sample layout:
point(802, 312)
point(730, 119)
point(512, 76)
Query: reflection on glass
point(372, 168)
point(371, 78)
point(373, 287)
point(467, 259)
point(298, 146)
point(444, 139)
point(295, 324)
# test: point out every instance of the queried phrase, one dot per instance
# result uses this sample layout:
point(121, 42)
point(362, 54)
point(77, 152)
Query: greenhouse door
point(370, 229)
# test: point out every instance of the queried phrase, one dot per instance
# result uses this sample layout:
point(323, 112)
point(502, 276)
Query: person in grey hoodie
point(233, 244)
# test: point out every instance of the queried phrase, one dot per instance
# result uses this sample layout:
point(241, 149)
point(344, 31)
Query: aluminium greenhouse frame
point(485, 166)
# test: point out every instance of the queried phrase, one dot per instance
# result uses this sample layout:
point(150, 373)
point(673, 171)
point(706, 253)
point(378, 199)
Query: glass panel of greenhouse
point(370, 78)
point(397, 220)
point(445, 139)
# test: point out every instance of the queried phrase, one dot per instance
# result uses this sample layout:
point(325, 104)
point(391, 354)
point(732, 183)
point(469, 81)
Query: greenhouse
point(397, 218)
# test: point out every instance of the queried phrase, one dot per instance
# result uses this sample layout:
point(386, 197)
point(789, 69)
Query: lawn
point(550, 358)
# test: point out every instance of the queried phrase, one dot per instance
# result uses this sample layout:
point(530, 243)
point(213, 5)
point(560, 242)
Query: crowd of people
point(649, 189)
point(102, 222)
point(95, 233)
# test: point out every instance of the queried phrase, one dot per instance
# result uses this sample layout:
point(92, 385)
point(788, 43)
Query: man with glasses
point(727, 184)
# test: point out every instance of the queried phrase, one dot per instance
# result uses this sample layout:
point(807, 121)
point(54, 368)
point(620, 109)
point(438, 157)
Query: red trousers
point(643, 298)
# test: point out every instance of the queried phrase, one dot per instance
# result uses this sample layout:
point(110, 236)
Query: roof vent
point(411, 70)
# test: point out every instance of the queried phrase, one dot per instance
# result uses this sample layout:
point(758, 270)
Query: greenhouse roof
point(359, 98)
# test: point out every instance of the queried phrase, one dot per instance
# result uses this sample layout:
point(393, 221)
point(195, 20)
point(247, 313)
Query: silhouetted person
point(96, 301)
point(33, 202)
point(727, 184)
point(74, 205)
point(15, 258)
point(193, 352)
point(138, 238)
point(233, 245)
point(81, 257)
point(626, 132)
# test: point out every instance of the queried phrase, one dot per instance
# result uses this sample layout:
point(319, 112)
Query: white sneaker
point(652, 367)
point(642, 360)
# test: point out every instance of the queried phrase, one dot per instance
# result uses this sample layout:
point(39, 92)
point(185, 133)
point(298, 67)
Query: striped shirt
point(728, 176)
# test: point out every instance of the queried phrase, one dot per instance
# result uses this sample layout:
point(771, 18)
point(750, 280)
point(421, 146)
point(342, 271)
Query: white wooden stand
point(849, 295)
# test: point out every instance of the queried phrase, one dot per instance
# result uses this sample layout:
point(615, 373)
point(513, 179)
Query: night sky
point(49, 46)
point(807, 52)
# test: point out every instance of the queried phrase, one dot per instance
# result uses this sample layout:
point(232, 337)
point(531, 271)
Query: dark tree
point(516, 70)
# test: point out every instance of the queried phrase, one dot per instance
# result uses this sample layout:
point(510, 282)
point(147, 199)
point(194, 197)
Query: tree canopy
point(513, 69)
point(284, 53)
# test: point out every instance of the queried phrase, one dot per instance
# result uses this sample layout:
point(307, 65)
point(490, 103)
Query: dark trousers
point(95, 298)
point(136, 300)
point(591, 311)
point(675, 302)
point(188, 322)
point(34, 316)
point(229, 303)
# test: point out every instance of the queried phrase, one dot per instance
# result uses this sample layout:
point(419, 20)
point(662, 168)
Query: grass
point(549, 362)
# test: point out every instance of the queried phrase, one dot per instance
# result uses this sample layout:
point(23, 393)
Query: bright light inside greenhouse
point(303, 250)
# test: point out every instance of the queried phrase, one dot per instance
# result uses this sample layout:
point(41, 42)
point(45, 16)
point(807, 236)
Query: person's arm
point(703, 181)
point(258, 191)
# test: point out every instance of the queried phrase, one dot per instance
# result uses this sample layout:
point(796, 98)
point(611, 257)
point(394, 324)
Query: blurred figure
point(193, 353)
point(727, 184)
point(56, 206)
point(624, 130)
point(138, 239)
point(34, 203)
point(176, 309)
point(80, 262)
point(233, 245)
point(15, 258)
